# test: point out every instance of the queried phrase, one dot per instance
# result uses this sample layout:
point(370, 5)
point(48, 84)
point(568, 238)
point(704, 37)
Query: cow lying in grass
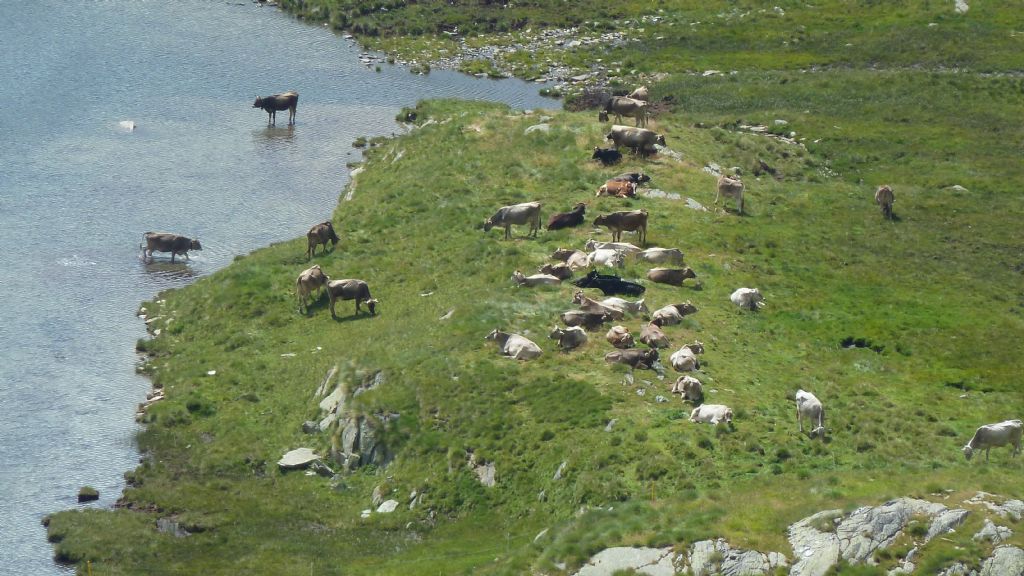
point(514, 345)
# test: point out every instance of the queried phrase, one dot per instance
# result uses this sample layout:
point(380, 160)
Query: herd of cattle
point(591, 315)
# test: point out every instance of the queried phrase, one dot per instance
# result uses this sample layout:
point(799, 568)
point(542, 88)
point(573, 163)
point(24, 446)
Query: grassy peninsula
point(936, 297)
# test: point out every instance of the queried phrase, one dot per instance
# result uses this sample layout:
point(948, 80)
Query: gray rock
point(731, 561)
point(538, 128)
point(958, 569)
point(871, 528)
point(957, 188)
point(694, 205)
point(1005, 561)
point(961, 7)
point(993, 533)
point(298, 458)
point(815, 551)
point(1012, 509)
point(310, 427)
point(650, 561)
point(945, 522)
point(387, 506)
point(168, 526)
point(561, 468)
point(656, 193)
point(611, 424)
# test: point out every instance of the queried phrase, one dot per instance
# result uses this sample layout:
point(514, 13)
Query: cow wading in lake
point(167, 242)
point(273, 104)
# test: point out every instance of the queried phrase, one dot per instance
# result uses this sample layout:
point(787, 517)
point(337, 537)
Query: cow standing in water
point(273, 104)
point(167, 242)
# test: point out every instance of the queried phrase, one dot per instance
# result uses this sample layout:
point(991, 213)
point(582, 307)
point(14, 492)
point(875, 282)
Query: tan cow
point(618, 189)
point(884, 198)
point(628, 221)
point(310, 280)
point(620, 337)
point(731, 188)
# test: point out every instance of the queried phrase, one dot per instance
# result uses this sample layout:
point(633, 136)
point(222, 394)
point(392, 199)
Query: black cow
point(607, 156)
point(272, 104)
point(637, 178)
point(609, 284)
point(167, 242)
point(569, 219)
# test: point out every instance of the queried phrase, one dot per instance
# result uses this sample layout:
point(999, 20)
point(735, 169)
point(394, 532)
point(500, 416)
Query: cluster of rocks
point(820, 541)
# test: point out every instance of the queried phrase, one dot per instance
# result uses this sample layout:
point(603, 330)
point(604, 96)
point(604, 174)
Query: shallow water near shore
point(79, 187)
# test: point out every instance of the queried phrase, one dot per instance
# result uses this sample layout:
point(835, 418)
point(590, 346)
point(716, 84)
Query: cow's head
point(371, 303)
point(602, 116)
point(258, 103)
point(194, 245)
point(488, 224)
point(968, 451)
point(661, 140)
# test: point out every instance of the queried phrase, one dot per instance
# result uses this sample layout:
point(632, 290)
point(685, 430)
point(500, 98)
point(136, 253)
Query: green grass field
point(938, 294)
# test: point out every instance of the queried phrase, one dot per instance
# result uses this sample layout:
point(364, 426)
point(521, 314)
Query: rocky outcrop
point(992, 533)
point(649, 561)
point(1005, 561)
point(360, 442)
point(717, 557)
point(1012, 509)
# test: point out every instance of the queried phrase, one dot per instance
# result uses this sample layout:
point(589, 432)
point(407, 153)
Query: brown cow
point(167, 242)
point(672, 276)
point(321, 233)
point(569, 219)
point(617, 188)
point(619, 337)
point(652, 335)
point(272, 104)
point(350, 289)
point(635, 357)
point(630, 221)
point(884, 198)
point(310, 280)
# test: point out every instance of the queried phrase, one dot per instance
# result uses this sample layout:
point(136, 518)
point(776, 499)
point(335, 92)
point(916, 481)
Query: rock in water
point(88, 494)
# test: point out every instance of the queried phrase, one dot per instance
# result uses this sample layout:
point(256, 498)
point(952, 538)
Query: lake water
point(77, 191)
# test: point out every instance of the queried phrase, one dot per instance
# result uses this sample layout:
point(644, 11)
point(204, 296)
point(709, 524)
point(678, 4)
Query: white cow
point(711, 414)
point(626, 247)
point(688, 388)
point(672, 314)
point(993, 436)
point(685, 359)
point(519, 214)
point(808, 406)
point(607, 257)
point(568, 338)
point(574, 259)
point(731, 187)
point(535, 280)
point(634, 308)
point(747, 298)
point(662, 255)
point(514, 345)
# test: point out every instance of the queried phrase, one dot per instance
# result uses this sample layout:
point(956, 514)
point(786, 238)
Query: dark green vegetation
point(937, 297)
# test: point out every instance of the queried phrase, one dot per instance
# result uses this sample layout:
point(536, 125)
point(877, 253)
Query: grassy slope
point(940, 290)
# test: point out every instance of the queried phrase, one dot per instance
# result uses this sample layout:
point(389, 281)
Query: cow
point(662, 255)
point(689, 388)
point(884, 198)
point(652, 335)
point(570, 219)
point(994, 435)
point(535, 280)
point(672, 314)
point(711, 414)
point(588, 304)
point(808, 406)
point(568, 338)
point(626, 221)
point(640, 94)
point(272, 104)
point(574, 259)
point(619, 337)
point(633, 308)
point(560, 270)
point(351, 289)
point(685, 359)
point(730, 187)
point(607, 257)
point(671, 276)
point(321, 233)
point(635, 357)
point(587, 320)
point(310, 280)
point(525, 213)
point(607, 156)
point(639, 140)
point(624, 106)
point(609, 284)
point(637, 178)
point(514, 345)
point(750, 298)
point(167, 242)
point(617, 189)
point(620, 246)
